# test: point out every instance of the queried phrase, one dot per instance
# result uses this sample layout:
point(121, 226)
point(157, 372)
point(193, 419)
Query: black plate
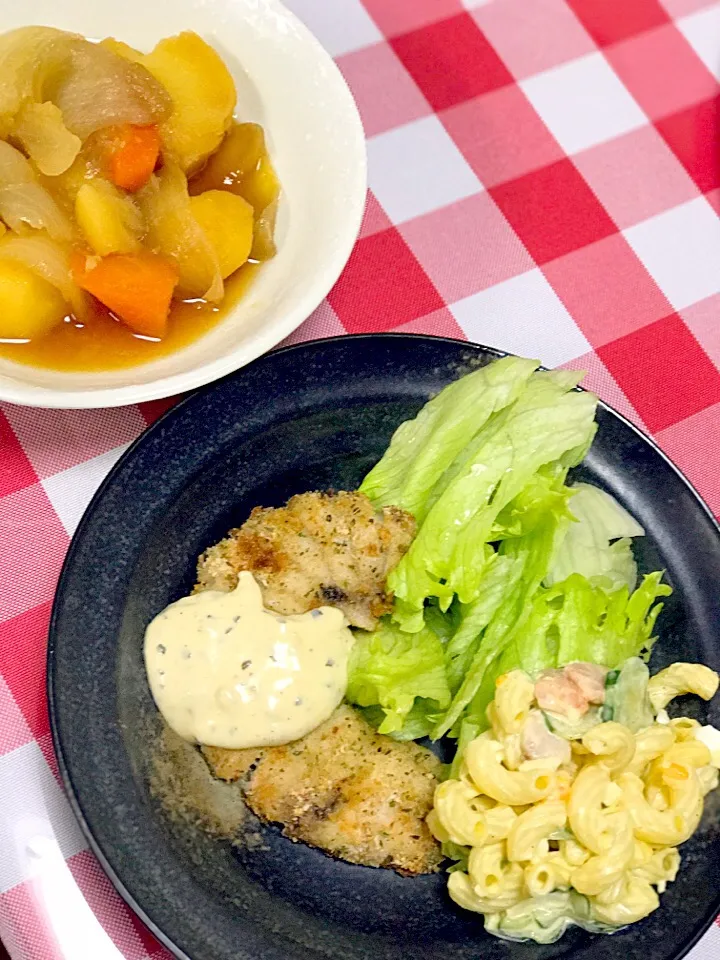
point(312, 417)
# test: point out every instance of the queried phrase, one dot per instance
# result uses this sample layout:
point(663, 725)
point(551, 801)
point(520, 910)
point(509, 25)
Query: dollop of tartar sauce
point(226, 672)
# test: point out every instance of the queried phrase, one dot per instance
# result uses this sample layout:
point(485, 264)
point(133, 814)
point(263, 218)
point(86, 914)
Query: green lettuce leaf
point(451, 549)
point(417, 724)
point(527, 558)
point(588, 547)
point(474, 617)
point(422, 449)
point(544, 493)
point(606, 628)
point(468, 729)
point(444, 623)
point(456, 852)
point(391, 669)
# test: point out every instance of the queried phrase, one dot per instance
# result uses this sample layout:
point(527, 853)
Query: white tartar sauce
point(226, 672)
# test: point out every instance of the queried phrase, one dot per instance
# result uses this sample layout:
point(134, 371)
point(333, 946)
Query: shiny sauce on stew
point(226, 672)
point(104, 343)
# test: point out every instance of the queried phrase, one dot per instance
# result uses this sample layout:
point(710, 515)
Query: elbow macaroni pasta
point(514, 696)
point(634, 901)
point(684, 728)
point(536, 824)
point(493, 877)
point(660, 868)
point(458, 813)
point(492, 777)
point(689, 754)
point(649, 744)
point(499, 822)
point(585, 807)
point(574, 853)
point(540, 879)
point(604, 826)
point(612, 743)
point(681, 678)
point(562, 870)
point(605, 869)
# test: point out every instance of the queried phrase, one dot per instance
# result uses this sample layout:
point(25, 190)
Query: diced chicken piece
point(539, 743)
point(556, 692)
point(589, 678)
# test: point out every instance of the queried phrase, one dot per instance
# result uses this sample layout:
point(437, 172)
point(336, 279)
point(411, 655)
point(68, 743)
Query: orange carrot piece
point(137, 287)
point(132, 154)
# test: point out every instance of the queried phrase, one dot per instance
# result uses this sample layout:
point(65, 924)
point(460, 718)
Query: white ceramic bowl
point(289, 84)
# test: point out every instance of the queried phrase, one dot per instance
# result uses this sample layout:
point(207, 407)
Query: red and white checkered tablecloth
point(545, 178)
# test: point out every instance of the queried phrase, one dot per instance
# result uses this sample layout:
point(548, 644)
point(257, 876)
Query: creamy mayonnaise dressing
point(226, 672)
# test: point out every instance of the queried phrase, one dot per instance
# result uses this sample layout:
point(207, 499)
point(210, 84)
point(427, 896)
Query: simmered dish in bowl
point(494, 605)
point(132, 204)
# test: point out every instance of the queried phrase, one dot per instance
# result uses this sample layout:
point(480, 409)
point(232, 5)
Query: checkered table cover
point(545, 178)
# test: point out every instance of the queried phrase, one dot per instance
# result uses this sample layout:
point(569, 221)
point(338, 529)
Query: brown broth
point(104, 343)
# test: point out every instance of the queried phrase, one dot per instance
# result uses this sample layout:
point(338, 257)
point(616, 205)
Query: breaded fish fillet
point(346, 789)
point(343, 787)
point(321, 548)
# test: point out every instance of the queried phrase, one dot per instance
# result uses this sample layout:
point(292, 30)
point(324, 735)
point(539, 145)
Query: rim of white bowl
point(31, 395)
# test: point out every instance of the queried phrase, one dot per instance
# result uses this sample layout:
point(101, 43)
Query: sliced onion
point(14, 167)
point(27, 57)
point(28, 204)
point(103, 89)
point(263, 245)
point(51, 261)
point(24, 201)
point(92, 85)
point(41, 132)
point(174, 232)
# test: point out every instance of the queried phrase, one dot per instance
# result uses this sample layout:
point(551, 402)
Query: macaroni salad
point(570, 807)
